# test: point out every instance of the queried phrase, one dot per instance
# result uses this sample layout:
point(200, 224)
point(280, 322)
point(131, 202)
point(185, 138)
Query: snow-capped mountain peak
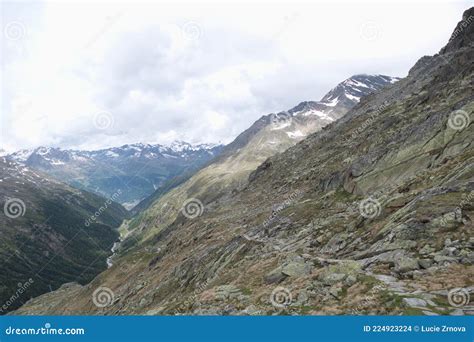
point(139, 166)
point(353, 88)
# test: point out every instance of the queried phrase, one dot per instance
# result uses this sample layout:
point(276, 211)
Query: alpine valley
point(360, 203)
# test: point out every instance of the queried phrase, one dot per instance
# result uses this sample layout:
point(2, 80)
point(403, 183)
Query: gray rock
point(154, 312)
point(335, 291)
point(414, 302)
point(468, 259)
point(441, 259)
point(275, 276)
point(302, 298)
point(332, 278)
point(350, 280)
point(296, 269)
point(427, 249)
point(457, 312)
point(144, 302)
point(252, 310)
point(429, 313)
point(406, 264)
point(227, 292)
point(425, 263)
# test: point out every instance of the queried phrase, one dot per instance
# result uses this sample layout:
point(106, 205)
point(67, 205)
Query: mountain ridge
point(140, 168)
point(373, 214)
point(51, 233)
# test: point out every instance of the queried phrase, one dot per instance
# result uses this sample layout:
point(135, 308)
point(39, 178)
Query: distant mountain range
point(137, 169)
point(143, 170)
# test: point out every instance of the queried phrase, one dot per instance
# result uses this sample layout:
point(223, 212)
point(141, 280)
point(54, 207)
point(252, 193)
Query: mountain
point(371, 215)
point(314, 114)
point(137, 168)
point(230, 170)
point(271, 134)
point(51, 234)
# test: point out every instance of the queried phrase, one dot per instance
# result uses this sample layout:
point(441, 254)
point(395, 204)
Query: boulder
point(330, 279)
point(415, 302)
point(296, 269)
point(425, 263)
point(406, 264)
point(275, 276)
point(227, 292)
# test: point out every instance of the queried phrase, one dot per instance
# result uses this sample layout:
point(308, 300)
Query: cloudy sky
point(100, 74)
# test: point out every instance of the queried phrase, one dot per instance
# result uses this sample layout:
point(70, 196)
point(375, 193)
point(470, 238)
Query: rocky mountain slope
point(371, 215)
point(137, 168)
point(269, 135)
point(51, 234)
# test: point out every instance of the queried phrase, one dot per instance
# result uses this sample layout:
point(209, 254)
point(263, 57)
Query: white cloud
point(200, 73)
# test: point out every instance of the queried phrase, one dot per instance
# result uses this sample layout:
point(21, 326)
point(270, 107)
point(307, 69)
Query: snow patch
point(331, 103)
point(111, 154)
point(56, 162)
point(295, 134)
point(352, 97)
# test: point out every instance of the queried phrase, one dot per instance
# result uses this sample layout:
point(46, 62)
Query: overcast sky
point(95, 75)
